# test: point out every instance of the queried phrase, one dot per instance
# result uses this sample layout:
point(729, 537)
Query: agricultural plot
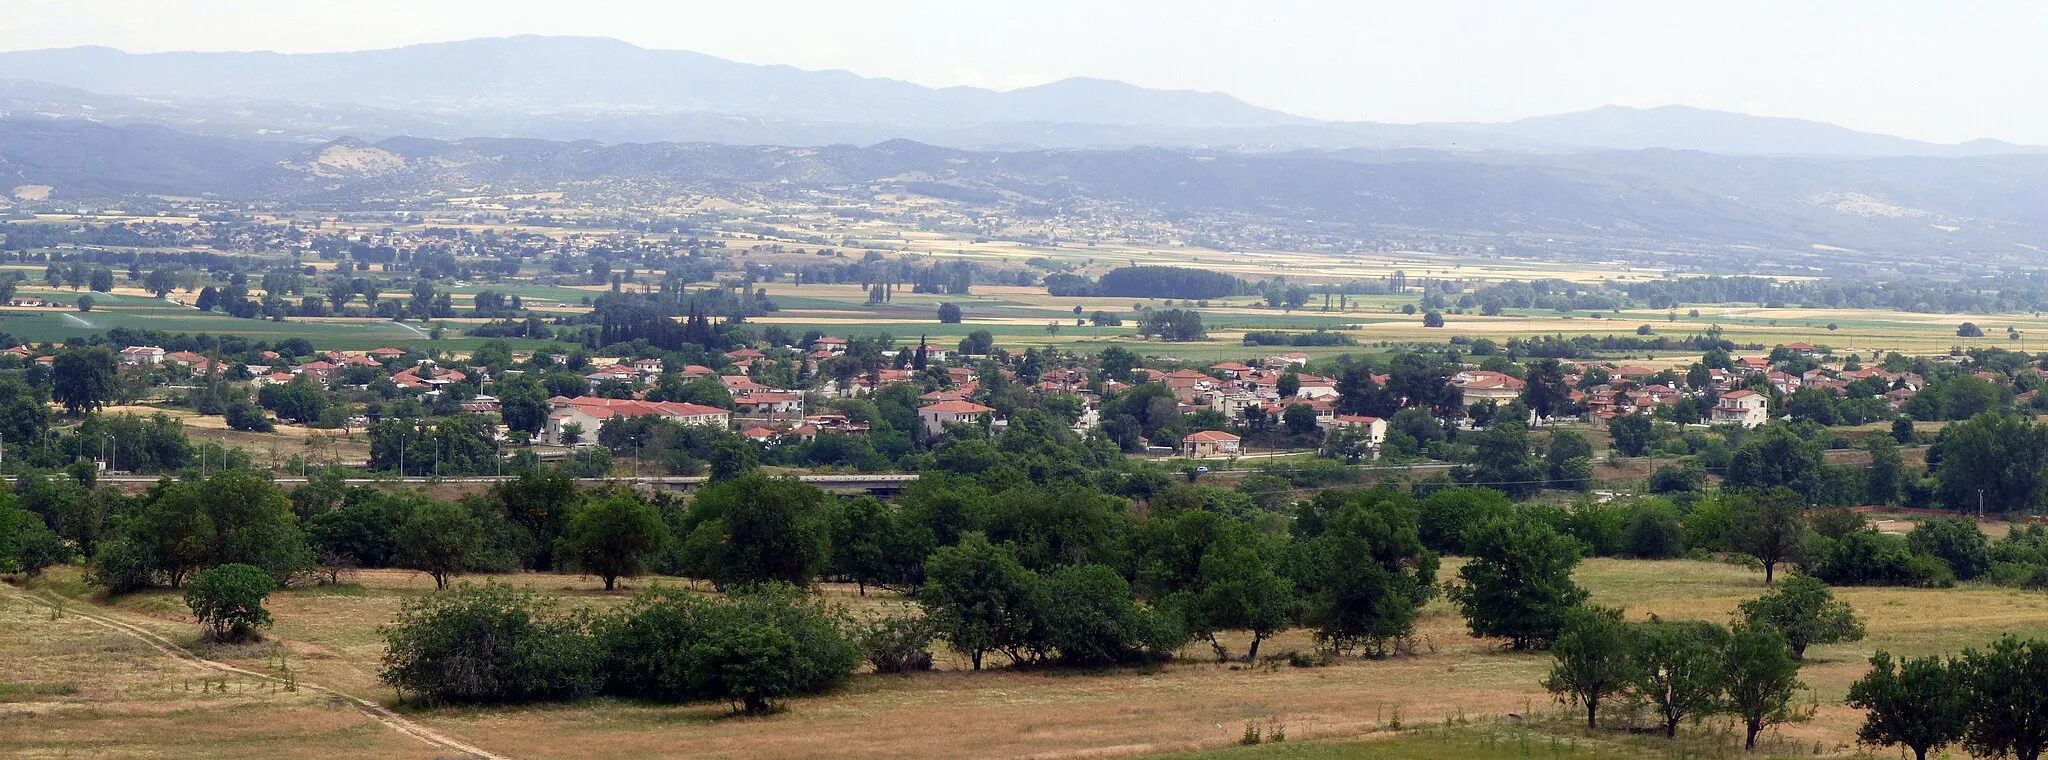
point(1195, 705)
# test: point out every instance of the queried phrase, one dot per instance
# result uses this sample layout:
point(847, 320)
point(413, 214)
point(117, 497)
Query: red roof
point(1210, 436)
point(958, 407)
point(607, 407)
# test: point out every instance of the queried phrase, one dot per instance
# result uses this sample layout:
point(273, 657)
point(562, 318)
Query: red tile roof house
point(1209, 443)
point(591, 413)
point(937, 416)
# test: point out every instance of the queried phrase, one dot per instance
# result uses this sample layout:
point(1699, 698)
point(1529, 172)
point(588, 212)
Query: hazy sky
point(1944, 70)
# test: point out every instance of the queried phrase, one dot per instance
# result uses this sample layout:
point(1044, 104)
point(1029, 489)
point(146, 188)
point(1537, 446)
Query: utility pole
point(1980, 503)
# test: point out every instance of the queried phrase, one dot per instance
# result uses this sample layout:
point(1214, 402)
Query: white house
point(1746, 408)
point(936, 416)
point(591, 413)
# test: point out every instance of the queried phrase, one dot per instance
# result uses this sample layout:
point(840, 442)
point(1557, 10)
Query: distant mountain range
point(575, 88)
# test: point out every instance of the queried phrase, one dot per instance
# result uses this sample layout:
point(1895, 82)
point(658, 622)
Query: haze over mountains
point(573, 88)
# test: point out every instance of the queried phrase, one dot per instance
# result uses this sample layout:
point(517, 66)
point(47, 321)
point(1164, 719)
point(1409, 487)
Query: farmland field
point(329, 637)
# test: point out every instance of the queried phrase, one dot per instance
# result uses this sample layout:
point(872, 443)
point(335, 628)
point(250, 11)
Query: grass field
point(330, 639)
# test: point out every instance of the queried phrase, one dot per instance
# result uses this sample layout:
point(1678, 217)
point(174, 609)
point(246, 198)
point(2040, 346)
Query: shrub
point(1957, 541)
point(1654, 531)
point(898, 644)
point(488, 644)
point(1088, 616)
point(228, 600)
point(27, 545)
point(752, 648)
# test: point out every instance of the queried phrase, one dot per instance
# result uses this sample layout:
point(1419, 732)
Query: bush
point(228, 600)
point(1088, 616)
point(1957, 541)
point(898, 644)
point(1654, 531)
point(752, 648)
point(27, 545)
point(488, 644)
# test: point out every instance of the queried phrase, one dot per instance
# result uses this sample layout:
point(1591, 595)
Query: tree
point(979, 597)
point(751, 648)
point(1594, 659)
point(754, 529)
point(85, 303)
point(102, 280)
point(488, 644)
point(1679, 670)
point(160, 282)
point(1922, 704)
point(949, 314)
point(1997, 460)
point(1433, 319)
point(1632, 434)
point(1805, 612)
point(613, 535)
point(441, 538)
point(84, 379)
point(2008, 704)
point(1886, 472)
point(1771, 527)
point(1545, 392)
point(27, 545)
point(1956, 541)
point(1518, 585)
point(228, 600)
point(571, 433)
point(1300, 419)
point(1362, 569)
point(1969, 330)
point(732, 457)
point(1761, 679)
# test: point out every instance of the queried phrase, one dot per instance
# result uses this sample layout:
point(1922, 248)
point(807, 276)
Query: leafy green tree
point(1518, 585)
point(614, 535)
point(1770, 526)
point(980, 598)
point(177, 529)
point(754, 529)
point(1633, 434)
point(1449, 513)
point(1922, 704)
point(27, 545)
point(1956, 541)
point(2008, 703)
point(441, 538)
point(1086, 614)
point(1502, 462)
point(949, 313)
point(1805, 612)
point(1595, 660)
point(488, 644)
point(753, 648)
point(1776, 456)
point(1886, 472)
point(862, 531)
point(2001, 459)
point(1362, 570)
point(228, 600)
point(1680, 670)
point(1762, 677)
point(84, 379)
point(733, 457)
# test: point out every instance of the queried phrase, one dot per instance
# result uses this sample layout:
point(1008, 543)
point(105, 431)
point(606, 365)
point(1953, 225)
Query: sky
point(1943, 71)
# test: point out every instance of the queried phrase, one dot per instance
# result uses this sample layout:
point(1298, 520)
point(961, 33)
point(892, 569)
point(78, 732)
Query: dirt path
point(169, 649)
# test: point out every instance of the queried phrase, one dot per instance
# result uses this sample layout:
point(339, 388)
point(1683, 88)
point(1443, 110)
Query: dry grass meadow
point(72, 688)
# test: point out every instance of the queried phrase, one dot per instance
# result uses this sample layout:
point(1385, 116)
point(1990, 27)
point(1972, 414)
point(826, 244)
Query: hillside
point(1914, 209)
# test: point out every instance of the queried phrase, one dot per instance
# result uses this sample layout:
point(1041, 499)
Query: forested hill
point(1926, 210)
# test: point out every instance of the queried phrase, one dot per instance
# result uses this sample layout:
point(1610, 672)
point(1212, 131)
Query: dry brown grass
point(331, 638)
